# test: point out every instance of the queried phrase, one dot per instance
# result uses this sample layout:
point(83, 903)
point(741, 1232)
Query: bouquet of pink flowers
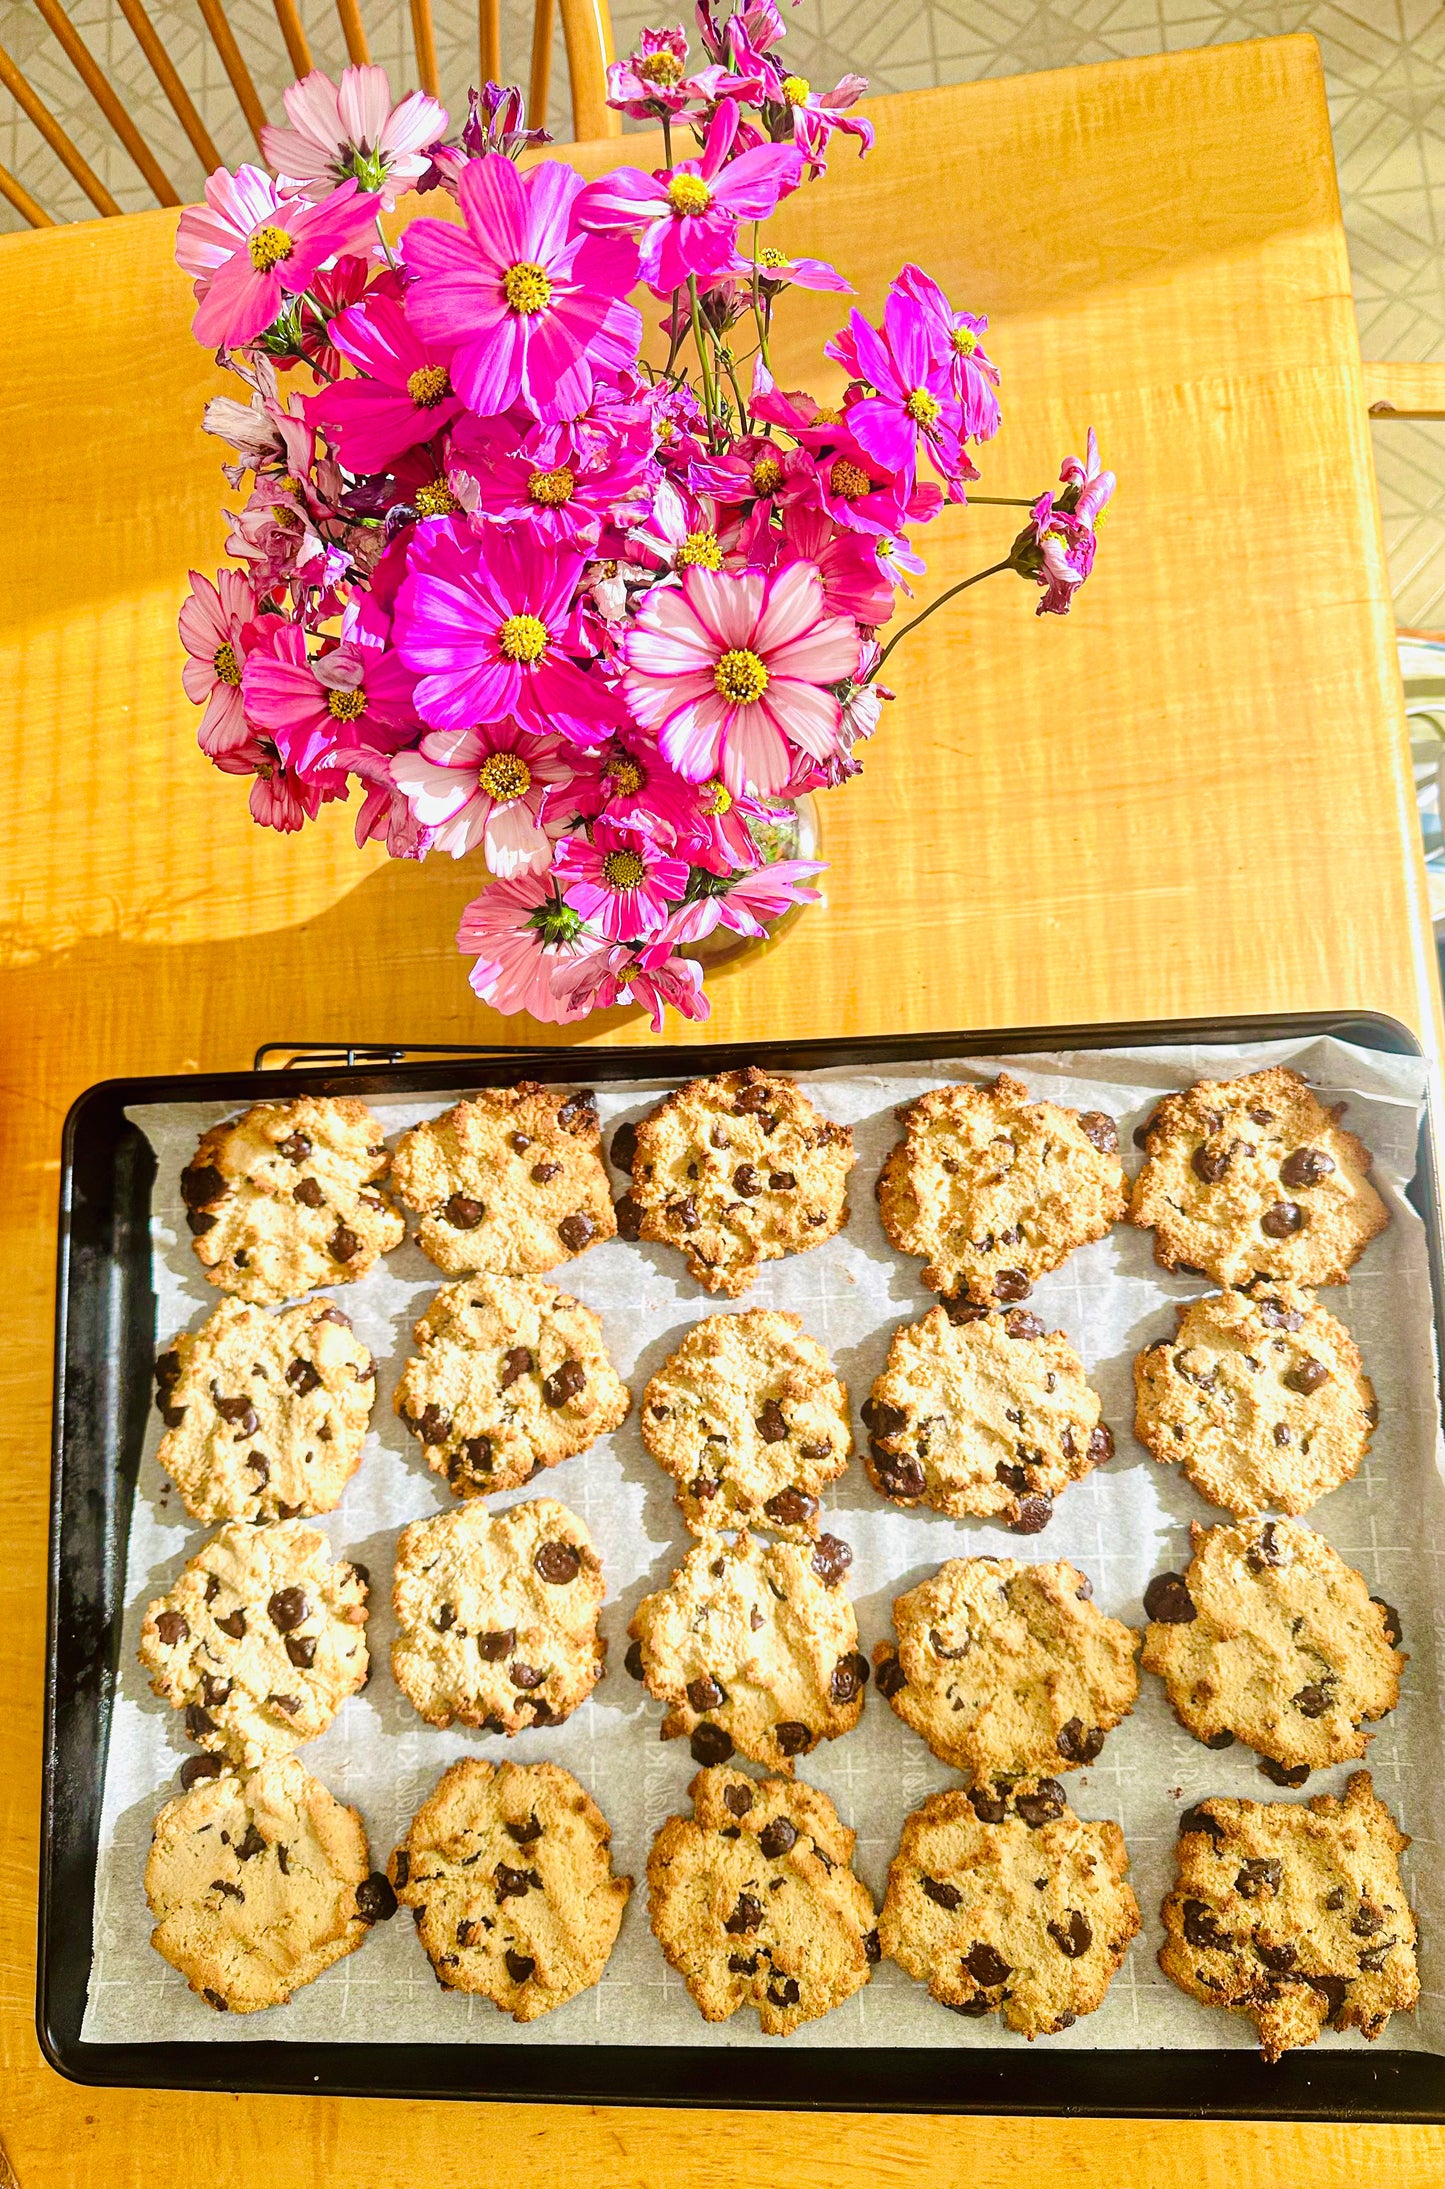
point(598, 614)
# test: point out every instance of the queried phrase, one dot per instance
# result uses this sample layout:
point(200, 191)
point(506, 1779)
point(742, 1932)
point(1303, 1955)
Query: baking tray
point(103, 1377)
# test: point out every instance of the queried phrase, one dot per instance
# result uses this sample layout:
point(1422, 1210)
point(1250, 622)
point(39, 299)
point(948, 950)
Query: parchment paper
point(1121, 1525)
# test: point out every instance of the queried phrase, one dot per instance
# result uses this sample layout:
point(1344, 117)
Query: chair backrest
point(586, 31)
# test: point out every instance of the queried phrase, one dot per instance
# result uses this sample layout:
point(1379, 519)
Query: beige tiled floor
point(1384, 60)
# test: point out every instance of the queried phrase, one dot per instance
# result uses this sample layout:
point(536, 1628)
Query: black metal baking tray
point(103, 1367)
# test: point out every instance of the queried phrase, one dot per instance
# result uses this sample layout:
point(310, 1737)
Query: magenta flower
point(689, 214)
point(485, 786)
point(819, 115)
point(1056, 547)
point(621, 877)
point(775, 270)
point(352, 130)
point(908, 367)
point(848, 564)
point(283, 798)
point(626, 780)
point(385, 815)
point(717, 835)
point(353, 694)
point(532, 304)
point(405, 397)
point(249, 248)
point(599, 977)
point(525, 937)
point(745, 902)
point(975, 376)
point(735, 673)
point(650, 85)
point(215, 631)
point(488, 625)
point(564, 486)
point(863, 494)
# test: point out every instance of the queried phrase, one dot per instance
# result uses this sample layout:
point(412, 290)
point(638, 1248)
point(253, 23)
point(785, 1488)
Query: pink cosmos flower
point(775, 270)
point(735, 673)
point(314, 710)
point(215, 631)
point(686, 529)
point(282, 798)
point(745, 902)
point(717, 835)
point(818, 115)
point(385, 814)
point(249, 248)
point(975, 376)
point(1056, 547)
point(533, 305)
point(908, 366)
point(487, 623)
point(564, 486)
point(607, 974)
point(405, 396)
point(352, 129)
point(626, 780)
point(525, 937)
point(860, 492)
point(650, 85)
point(484, 786)
point(689, 214)
point(621, 877)
point(848, 563)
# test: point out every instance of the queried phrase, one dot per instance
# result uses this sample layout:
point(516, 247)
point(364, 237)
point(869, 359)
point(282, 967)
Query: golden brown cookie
point(510, 1180)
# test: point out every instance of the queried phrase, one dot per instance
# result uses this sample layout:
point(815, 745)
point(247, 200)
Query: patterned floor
point(1384, 61)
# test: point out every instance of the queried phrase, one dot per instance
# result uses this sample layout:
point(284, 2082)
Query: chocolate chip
point(1101, 1444)
point(1312, 1701)
point(474, 1458)
point(629, 1214)
point(1072, 1936)
point(1375, 1957)
point(196, 1768)
point(1220, 1740)
point(287, 1609)
point(1393, 1629)
point(1260, 1874)
point(1265, 1550)
point(198, 1722)
point(251, 1846)
point(1336, 1899)
point(1305, 1167)
point(1168, 1600)
point(771, 1426)
point(363, 1573)
point(710, 1744)
point(791, 1508)
point(890, 1677)
point(1276, 1316)
point(234, 1624)
point(1276, 1958)
point(960, 1311)
point(624, 1147)
point(1284, 1774)
point(290, 1704)
point(704, 1693)
point(972, 2009)
point(986, 1965)
point(746, 1916)
point(1368, 1920)
point(226, 1888)
point(308, 1192)
point(1030, 1515)
point(558, 1563)
point(1334, 1989)
point(1011, 1284)
point(343, 1245)
point(1202, 1930)
point(564, 1383)
point(1283, 1220)
point(301, 1649)
point(884, 1421)
point(1210, 1164)
point(511, 1884)
point(1075, 1744)
point(990, 1803)
point(1201, 1820)
point(777, 1837)
point(743, 1964)
point(240, 1411)
point(525, 1676)
point(1020, 1322)
point(519, 1965)
point(578, 1113)
point(198, 1224)
point(942, 1893)
point(525, 1834)
point(213, 1587)
point(1099, 1127)
point(831, 1559)
point(302, 1377)
point(899, 1475)
point(576, 1232)
point(793, 1738)
point(1308, 1377)
point(850, 1677)
point(518, 1143)
point(518, 1362)
point(1043, 1805)
point(171, 1628)
point(782, 1182)
point(543, 1173)
point(463, 1213)
point(783, 1991)
point(260, 1467)
point(201, 1186)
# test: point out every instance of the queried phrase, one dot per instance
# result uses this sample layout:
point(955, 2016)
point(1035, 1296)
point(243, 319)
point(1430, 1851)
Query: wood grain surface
point(1193, 796)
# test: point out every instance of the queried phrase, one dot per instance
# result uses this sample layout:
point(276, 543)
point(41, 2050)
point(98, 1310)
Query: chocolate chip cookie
point(1270, 1638)
point(755, 1647)
point(285, 1198)
point(507, 1870)
point(511, 1376)
point(1260, 1396)
point(265, 1414)
point(1007, 1669)
point(1004, 1902)
point(1293, 1913)
point(1252, 1177)
point(750, 1420)
point(259, 1883)
point(737, 1170)
point(983, 1414)
point(259, 1640)
point(992, 1189)
point(754, 1902)
point(511, 1180)
point(497, 1616)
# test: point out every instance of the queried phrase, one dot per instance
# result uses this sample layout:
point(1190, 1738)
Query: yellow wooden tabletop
point(1191, 797)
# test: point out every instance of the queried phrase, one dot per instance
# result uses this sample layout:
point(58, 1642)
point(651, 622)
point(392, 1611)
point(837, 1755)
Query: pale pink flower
point(848, 564)
point(524, 937)
point(735, 673)
point(316, 710)
point(746, 902)
point(352, 129)
point(604, 975)
point(216, 635)
point(651, 83)
point(484, 786)
point(250, 248)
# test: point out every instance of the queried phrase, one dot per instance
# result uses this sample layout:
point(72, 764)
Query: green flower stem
point(941, 602)
point(999, 501)
point(709, 397)
point(386, 247)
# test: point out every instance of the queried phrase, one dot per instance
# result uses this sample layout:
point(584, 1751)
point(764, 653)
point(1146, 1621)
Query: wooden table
point(1193, 796)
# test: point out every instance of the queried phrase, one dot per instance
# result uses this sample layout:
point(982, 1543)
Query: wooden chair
point(586, 31)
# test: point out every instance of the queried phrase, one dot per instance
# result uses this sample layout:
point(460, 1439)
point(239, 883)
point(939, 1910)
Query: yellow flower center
point(665, 432)
point(268, 247)
point(796, 90)
point(227, 668)
point(847, 481)
point(688, 194)
point(503, 775)
point(824, 416)
point(527, 287)
point(429, 385)
point(552, 488)
point(767, 475)
point(523, 638)
point(700, 550)
point(659, 68)
point(345, 706)
point(922, 407)
point(769, 258)
point(716, 798)
point(740, 677)
point(963, 342)
point(435, 500)
point(623, 870)
point(625, 776)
